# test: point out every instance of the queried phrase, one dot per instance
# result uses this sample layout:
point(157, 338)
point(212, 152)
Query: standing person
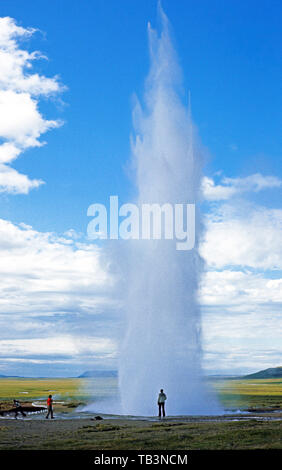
point(50, 407)
point(161, 403)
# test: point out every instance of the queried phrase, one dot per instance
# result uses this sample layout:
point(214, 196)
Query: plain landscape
point(251, 420)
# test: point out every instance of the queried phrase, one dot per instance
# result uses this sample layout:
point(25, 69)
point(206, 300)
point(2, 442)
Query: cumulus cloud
point(229, 187)
point(56, 297)
point(43, 273)
point(16, 63)
point(57, 346)
point(11, 181)
point(241, 288)
point(242, 343)
point(21, 123)
point(65, 353)
point(241, 321)
point(238, 237)
point(240, 292)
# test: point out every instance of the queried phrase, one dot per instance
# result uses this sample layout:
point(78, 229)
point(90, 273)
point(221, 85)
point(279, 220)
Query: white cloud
point(240, 292)
point(43, 274)
point(241, 289)
point(56, 346)
point(243, 237)
point(229, 187)
point(20, 120)
point(16, 63)
point(9, 30)
point(242, 343)
point(8, 152)
point(56, 298)
point(241, 325)
point(12, 181)
point(21, 123)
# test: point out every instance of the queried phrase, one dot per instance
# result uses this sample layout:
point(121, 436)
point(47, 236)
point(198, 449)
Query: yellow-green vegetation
point(245, 394)
point(27, 389)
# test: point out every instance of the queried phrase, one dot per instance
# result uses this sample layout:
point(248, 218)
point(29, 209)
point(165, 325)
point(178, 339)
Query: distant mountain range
point(271, 373)
point(98, 373)
point(9, 376)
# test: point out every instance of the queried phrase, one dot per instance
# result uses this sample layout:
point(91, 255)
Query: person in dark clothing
point(50, 407)
point(18, 408)
point(161, 403)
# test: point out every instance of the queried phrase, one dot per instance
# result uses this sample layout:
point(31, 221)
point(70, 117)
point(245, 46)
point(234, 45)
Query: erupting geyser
point(161, 347)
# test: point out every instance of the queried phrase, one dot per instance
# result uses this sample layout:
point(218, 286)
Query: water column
point(161, 346)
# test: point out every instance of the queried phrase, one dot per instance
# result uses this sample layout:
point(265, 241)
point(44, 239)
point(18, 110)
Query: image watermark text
point(146, 221)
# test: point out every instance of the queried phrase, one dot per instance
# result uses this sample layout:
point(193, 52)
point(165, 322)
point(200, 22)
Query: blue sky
point(97, 60)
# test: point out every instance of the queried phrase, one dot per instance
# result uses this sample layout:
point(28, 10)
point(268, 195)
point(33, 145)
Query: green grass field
point(27, 389)
point(83, 434)
point(245, 394)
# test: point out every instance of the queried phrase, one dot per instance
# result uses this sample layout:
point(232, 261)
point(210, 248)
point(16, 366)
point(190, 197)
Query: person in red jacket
point(50, 407)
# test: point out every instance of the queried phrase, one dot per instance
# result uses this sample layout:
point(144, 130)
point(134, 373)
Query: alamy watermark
point(145, 222)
